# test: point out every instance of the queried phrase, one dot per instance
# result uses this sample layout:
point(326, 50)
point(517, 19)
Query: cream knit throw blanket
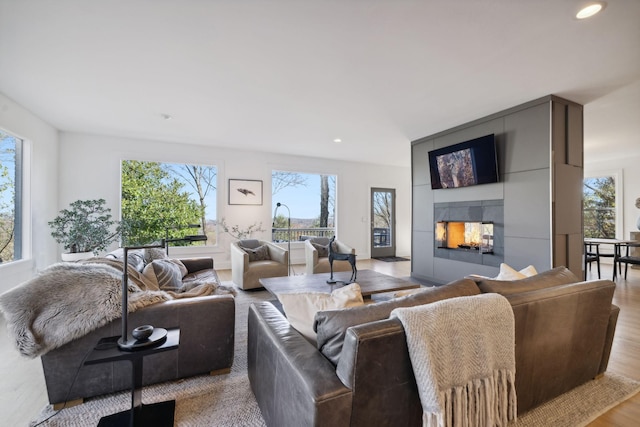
point(463, 355)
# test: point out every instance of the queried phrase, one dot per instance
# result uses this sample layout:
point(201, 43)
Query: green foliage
point(85, 227)
point(599, 207)
point(7, 197)
point(154, 202)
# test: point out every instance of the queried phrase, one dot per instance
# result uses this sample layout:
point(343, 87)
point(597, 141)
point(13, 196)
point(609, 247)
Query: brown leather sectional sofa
point(206, 345)
point(359, 373)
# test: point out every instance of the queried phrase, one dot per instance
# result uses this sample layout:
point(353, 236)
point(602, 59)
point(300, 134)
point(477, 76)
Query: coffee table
point(371, 282)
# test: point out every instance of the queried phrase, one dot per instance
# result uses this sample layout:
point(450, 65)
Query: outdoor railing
point(300, 234)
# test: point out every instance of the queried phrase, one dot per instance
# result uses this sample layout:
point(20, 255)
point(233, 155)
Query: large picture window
point(310, 199)
point(10, 197)
point(168, 200)
point(600, 207)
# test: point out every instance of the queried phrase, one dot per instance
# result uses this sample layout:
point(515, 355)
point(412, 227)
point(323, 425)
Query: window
point(168, 200)
point(10, 197)
point(600, 207)
point(307, 200)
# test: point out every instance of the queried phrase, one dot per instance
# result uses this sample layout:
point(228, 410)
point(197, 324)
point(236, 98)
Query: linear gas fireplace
point(465, 236)
point(469, 231)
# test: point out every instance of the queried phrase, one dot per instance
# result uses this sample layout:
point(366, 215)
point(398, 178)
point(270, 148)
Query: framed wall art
point(245, 192)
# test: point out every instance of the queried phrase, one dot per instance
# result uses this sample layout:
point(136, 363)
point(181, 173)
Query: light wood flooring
point(23, 394)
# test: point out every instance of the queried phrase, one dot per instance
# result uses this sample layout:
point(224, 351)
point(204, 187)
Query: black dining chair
point(628, 259)
point(591, 254)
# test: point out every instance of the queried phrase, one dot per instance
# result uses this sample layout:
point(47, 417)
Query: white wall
point(630, 186)
point(40, 183)
point(90, 168)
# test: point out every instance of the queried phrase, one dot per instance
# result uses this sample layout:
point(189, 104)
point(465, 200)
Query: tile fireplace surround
point(484, 243)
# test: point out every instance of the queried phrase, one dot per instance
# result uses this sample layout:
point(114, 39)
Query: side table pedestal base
point(152, 415)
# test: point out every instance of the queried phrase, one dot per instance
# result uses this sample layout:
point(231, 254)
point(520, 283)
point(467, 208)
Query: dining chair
point(628, 259)
point(591, 254)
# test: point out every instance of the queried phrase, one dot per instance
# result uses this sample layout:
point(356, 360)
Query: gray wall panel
point(422, 256)
point(420, 163)
point(527, 207)
point(520, 253)
point(422, 208)
point(526, 140)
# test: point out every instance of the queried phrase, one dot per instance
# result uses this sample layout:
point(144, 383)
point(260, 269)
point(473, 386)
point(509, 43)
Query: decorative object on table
point(86, 227)
point(238, 233)
point(245, 192)
point(288, 230)
point(143, 332)
point(341, 257)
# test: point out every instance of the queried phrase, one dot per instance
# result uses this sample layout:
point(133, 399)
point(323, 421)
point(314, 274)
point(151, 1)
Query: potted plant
point(85, 228)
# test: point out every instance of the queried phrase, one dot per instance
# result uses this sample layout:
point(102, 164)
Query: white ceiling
point(290, 76)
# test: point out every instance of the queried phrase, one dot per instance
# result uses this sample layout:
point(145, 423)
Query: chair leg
point(626, 267)
point(598, 265)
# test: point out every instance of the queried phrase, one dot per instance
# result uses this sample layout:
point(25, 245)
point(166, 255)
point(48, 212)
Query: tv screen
point(467, 163)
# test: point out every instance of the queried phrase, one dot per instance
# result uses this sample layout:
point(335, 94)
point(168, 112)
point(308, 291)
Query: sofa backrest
point(560, 341)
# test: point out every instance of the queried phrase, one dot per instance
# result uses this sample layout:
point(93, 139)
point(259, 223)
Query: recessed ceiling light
point(337, 140)
point(166, 116)
point(590, 10)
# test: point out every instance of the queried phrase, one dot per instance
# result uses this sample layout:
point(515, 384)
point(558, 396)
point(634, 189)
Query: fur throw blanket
point(68, 300)
point(463, 355)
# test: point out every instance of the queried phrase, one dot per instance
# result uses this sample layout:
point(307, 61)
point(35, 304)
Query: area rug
point(227, 400)
point(391, 258)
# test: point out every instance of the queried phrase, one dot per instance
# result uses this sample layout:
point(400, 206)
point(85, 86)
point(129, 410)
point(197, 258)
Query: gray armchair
point(317, 262)
point(269, 260)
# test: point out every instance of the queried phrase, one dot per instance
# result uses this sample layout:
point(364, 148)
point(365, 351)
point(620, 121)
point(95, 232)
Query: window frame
point(306, 171)
point(22, 188)
point(188, 250)
point(617, 175)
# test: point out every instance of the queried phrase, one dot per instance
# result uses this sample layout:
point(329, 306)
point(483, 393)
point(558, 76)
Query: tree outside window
point(311, 201)
point(10, 198)
point(166, 200)
point(599, 207)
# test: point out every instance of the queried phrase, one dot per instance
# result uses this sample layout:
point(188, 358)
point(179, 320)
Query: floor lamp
point(288, 233)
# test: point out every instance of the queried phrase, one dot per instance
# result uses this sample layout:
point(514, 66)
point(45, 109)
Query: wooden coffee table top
point(371, 282)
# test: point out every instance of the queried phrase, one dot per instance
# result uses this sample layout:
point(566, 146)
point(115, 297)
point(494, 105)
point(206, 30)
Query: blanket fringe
point(485, 402)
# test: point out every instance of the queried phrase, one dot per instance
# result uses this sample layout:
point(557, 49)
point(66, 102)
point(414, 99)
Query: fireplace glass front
point(465, 236)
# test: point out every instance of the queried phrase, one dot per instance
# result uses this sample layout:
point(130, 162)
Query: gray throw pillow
point(166, 273)
point(331, 325)
point(546, 279)
point(261, 253)
point(323, 251)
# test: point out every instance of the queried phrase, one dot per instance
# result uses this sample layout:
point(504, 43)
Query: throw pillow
point(331, 325)
point(546, 279)
point(261, 253)
point(151, 254)
point(166, 273)
point(301, 307)
point(509, 273)
point(323, 251)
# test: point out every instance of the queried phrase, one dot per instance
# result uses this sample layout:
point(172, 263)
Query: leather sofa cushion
point(331, 325)
point(554, 277)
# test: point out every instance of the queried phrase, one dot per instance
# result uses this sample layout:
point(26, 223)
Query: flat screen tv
point(467, 163)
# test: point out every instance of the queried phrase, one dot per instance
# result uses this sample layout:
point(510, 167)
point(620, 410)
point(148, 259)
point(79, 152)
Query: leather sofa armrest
point(197, 264)
point(611, 330)
point(294, 384)
point(278, 254)
point(310, 256)
point(375, 364)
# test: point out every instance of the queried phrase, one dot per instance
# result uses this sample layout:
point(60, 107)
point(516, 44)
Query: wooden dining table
point(617, 244)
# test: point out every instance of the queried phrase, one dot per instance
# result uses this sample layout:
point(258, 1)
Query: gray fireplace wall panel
point(529, 140)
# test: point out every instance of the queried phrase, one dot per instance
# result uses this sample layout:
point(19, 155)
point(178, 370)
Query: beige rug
point(227, 400)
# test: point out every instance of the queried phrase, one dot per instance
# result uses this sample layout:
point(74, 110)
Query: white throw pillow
point(301, 307)
point(509, 273)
